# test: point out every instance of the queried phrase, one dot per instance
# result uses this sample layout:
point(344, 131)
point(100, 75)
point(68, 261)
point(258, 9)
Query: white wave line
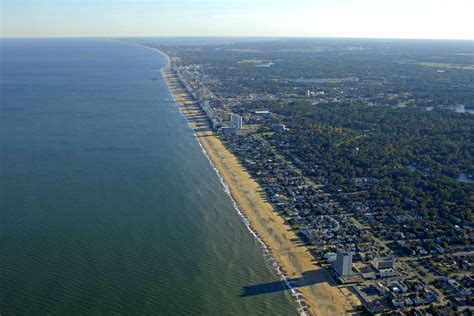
point(266, 252)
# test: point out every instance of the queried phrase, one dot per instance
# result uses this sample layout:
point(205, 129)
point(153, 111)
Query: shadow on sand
point(307, 278)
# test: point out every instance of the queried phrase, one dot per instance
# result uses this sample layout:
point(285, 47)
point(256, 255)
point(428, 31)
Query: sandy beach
point(320, 296)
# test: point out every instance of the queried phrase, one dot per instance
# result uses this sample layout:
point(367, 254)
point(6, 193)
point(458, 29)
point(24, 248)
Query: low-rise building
point(236, 121)
point(227, 130)
point(278, 127)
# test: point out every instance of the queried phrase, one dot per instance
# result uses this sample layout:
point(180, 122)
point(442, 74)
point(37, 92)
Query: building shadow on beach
point(307, 278)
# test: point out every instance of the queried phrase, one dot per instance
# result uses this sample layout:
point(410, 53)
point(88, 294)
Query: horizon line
point(236, 36)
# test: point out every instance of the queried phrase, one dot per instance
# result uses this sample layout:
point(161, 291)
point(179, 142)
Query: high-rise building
point(236, 121)
point(343, 263)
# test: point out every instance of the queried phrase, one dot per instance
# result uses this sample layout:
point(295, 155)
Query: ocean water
point(107, 204)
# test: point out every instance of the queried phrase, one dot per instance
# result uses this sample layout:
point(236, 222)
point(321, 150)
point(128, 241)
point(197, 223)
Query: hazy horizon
point(404, 19)
point(118, 37)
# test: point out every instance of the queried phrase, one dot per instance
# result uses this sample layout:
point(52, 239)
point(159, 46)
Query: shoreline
point(310, 285)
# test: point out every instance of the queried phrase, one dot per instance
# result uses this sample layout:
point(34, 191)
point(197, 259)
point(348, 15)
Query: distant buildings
point(278, 127)
point(310, 94)
point(228, 130)
point(236, 121)
point(343, 263)
point(384, 267)
point(227, 122)
point(211, 114)
point(381, 263)
point(226, 116)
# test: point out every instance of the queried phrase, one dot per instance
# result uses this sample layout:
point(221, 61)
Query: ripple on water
point(114, 213)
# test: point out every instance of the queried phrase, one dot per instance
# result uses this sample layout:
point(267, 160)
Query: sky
point(431, 19)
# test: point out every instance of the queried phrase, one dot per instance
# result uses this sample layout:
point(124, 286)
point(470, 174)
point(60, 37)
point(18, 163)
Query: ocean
point(107, 203)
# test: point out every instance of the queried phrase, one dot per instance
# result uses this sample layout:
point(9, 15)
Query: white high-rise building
point(343, 263)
